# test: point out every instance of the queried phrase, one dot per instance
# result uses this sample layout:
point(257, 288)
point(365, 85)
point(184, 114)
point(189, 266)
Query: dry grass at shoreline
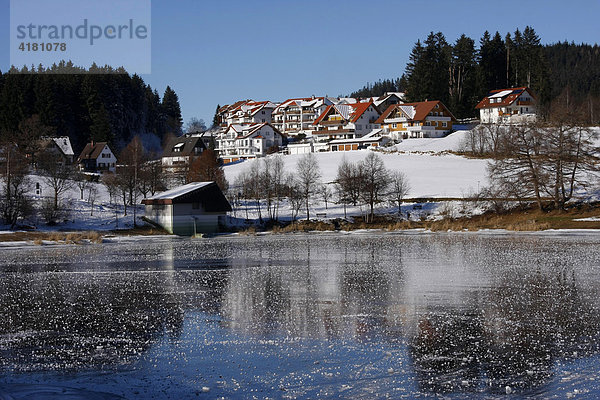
point(79, 237)
point(528, 220)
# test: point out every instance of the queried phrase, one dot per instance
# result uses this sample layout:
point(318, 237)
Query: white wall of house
point(517, 112)
point(106, 160)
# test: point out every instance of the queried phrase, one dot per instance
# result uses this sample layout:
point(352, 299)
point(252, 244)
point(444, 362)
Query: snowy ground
point(79, 215)
point(431, 171)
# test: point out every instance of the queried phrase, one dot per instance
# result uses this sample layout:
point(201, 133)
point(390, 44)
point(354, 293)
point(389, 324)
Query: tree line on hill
point(460, 74)
point(100, 104)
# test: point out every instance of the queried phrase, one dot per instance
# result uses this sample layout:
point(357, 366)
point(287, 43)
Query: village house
point(508, 106)
point(346, 121)
point(181, 151)
point(389, 98)
point(59, 146)
point(295, 116)
point(97, 157)
point(240, 142)
point(425, 119)
point(198, 207)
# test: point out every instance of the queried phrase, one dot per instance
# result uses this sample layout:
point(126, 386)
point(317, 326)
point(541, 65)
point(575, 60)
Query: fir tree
point(172, 111)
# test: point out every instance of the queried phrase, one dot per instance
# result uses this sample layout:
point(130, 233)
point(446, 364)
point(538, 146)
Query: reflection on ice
point(314, 315)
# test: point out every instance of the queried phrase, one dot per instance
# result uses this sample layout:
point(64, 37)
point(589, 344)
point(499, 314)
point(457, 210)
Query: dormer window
point(178, 148)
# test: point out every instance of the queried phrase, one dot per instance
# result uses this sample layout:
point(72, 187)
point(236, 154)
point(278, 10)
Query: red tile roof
point(508, 100)
point(358, 110)
point(422, 109)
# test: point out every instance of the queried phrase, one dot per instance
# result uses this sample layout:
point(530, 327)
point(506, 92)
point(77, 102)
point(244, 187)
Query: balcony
point(332, 132)
point(332, 123)
point(524, 103)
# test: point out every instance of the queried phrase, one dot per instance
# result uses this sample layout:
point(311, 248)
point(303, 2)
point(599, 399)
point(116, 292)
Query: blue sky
point(214, 52)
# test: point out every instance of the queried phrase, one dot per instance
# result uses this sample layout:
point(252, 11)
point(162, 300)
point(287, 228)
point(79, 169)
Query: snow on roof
point(501, 94)
point(409, 110)
point(179, 145)
point(344, 110)
point(179, 191)
point(64, 144)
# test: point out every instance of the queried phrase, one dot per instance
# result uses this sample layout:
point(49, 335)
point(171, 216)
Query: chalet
point(346, 121)
point(372, 139)
point(198, 207)
point(240, 142)
point(180, 152)
point(388, 99)
point(97, 158)
point(295, 116)
point(59, 146)
point(508, 106)
point(416, 120)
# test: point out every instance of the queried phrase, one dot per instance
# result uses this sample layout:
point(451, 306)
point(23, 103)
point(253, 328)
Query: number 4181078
point(43, 46)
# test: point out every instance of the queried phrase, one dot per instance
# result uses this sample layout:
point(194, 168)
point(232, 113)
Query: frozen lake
point(303, 316)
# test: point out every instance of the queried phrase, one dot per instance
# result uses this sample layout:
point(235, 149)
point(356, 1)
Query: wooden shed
point(198, 207)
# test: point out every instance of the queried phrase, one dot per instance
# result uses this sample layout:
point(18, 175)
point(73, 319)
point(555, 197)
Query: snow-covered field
point(431, 171)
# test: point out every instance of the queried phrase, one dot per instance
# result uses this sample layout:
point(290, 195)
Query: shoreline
point(575, 219)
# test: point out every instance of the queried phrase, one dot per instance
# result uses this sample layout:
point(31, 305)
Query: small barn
point(198, 207)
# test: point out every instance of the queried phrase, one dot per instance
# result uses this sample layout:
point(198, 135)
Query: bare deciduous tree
point(14, 204)
point(56, 174)
point(308, 178)
point(375, 181)
point(399, 188)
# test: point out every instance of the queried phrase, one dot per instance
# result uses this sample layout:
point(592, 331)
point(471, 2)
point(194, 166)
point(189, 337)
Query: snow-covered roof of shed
point(179, 191)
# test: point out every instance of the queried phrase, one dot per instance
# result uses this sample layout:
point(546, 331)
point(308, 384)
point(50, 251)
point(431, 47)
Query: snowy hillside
point(435, 174)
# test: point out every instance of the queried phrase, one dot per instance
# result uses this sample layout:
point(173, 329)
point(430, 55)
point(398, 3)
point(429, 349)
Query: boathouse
point(198, 207)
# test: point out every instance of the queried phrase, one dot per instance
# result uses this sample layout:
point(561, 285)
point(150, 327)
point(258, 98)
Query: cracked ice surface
point(303, 316)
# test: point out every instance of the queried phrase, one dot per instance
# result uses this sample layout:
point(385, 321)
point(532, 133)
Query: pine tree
point(462, 77)
point(216, 119)
point(427, 72)
point(172, 111)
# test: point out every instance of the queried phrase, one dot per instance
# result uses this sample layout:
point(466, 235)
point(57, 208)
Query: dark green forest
point(99, 103)
point(460, 74)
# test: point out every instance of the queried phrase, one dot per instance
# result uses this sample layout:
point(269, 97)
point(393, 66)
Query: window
point(394, 126)
point(444, 124)
point(263, 113)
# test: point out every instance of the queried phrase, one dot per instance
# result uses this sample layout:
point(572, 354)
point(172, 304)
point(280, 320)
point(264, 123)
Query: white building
point(246, 112)
point(425, 119)
point(508, 106)
point(346, 121)
point(295, 116)
point(247, 141)
point(97, 157)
